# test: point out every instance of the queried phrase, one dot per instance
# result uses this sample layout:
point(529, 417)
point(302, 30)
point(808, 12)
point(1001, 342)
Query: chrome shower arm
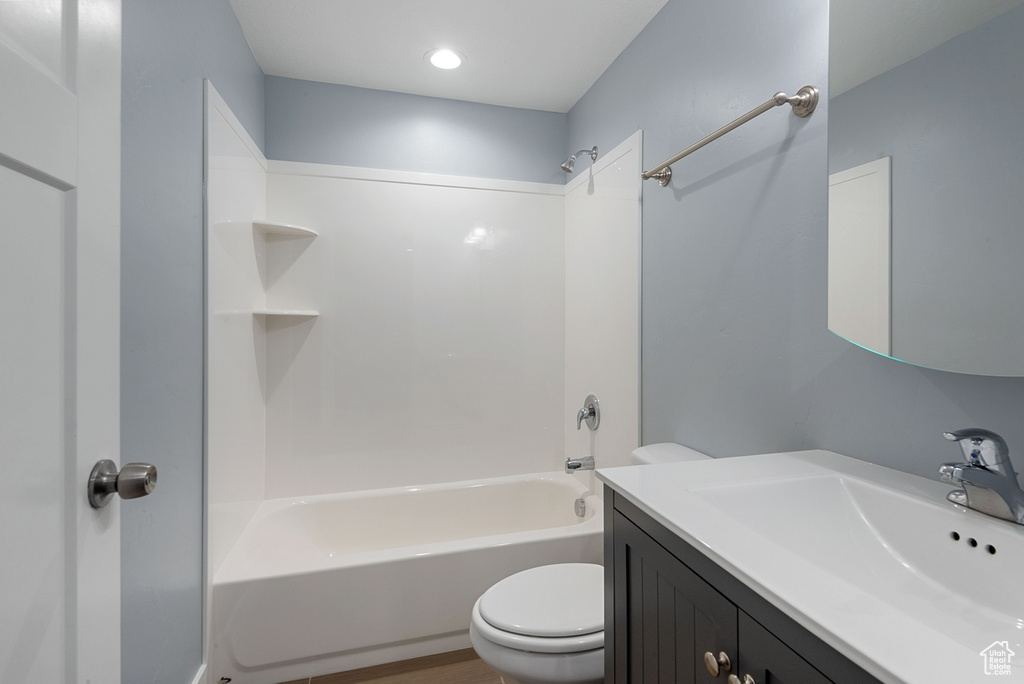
point(567, 165)
point(592, 152)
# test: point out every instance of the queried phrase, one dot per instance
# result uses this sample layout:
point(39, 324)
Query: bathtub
point(327, 583)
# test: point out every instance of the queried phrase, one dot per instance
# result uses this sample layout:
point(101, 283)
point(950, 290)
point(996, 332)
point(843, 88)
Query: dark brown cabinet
point(764, 658)
point(675, 617)
point(667, 616)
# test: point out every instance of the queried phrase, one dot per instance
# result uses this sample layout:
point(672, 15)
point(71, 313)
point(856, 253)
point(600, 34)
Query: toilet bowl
point(545, 625)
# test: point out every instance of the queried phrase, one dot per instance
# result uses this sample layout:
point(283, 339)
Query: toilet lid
point(550, 601)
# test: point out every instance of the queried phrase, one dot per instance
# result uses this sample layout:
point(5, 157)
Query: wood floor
point(456, 667)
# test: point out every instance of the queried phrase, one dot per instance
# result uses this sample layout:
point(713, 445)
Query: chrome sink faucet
point(987, 476)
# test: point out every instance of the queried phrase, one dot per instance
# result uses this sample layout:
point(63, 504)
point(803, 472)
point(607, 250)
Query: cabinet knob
point(719, 664)
point(747, 679)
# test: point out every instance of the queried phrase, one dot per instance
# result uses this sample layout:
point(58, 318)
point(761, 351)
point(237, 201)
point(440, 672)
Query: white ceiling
point(533, 54)
point(545, 54)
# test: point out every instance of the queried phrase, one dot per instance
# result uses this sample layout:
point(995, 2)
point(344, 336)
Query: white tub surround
point(438, 355)
point(370, 329)
point(327, 583)
point(413, 333)
point(602, 305)
point(875, 562)
point(236, 197)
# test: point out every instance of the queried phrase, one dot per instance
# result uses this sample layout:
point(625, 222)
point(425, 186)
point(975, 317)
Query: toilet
point(545, 625)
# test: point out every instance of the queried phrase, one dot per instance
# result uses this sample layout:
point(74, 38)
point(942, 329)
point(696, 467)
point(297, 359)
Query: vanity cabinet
point(669, 608)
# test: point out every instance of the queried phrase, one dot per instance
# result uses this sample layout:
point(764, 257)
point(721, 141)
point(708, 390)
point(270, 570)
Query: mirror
point(931, 90)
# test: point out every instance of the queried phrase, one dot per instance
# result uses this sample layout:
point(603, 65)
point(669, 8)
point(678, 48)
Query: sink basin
point(911, 552)
point(874, 561)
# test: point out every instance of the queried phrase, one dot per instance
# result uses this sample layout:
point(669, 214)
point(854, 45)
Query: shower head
point(568, 163)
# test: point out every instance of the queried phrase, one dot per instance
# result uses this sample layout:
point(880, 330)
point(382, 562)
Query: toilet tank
point(665, 452)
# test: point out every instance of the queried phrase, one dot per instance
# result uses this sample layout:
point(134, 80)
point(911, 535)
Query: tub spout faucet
point(987, 476)
point(585, 463)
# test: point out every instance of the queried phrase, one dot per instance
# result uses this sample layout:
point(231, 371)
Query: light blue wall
point(168, 48)
point(331, 124)
point(957, 167)
point(736, 358)
point(736, 355)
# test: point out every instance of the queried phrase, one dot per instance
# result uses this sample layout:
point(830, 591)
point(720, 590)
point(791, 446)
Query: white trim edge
point(411, 177)
point(200, 677)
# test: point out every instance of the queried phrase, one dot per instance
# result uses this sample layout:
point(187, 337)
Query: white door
point(859, 254)
point(59, 333)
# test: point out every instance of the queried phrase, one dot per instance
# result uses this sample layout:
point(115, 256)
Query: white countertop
point(757, 517)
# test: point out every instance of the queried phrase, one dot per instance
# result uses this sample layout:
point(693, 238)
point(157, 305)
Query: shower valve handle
point(591, 413)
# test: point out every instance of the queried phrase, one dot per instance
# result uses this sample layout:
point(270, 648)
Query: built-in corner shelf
point(283, 229)
point(266, 229)
point(294, 313)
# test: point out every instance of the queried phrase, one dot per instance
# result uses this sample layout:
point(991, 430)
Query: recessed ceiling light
point(445, 58)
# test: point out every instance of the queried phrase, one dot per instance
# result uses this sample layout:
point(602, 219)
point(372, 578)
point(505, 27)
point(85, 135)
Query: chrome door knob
point(134, 480)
